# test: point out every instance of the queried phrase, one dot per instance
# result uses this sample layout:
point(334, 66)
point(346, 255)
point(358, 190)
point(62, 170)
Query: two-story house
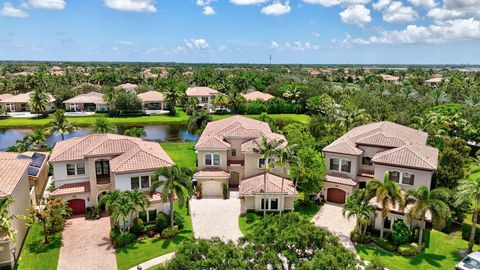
point(369, 151)
point(226, 156)
point(204, 95)
point(85, 168)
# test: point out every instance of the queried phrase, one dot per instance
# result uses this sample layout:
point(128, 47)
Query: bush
point(400, 233)
point(162, 221)
point(384, 244)
point(375, 264)
point(120, 239)
point(408, 250)
point(250, 217)
point(178, 220)
point(150, 230)
point(170, 232)
point(137, 226)
point(92, 213)
point(225, 191)
point(466, 230)
point(255, 107)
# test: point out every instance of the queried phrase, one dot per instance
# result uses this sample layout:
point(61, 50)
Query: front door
point(234, 179)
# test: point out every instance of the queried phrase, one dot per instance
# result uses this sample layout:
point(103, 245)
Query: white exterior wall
point(368, 151)
point(422, 178)
point(84, 196)
point(201, 159)
point(355, 160)
point(251, 166)
point(61, 177)
point(254, 202)
point(123, 181)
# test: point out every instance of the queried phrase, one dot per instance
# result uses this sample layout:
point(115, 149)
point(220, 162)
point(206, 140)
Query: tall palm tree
point(236, 100)
point(39, 101)
point(61, 124)
point(423, 201)
point(198, 121)
point(358, 205)
point(172, 98)
point(139, 200)
point(173, 184)
point(469, 190)
point(267, 148)
point(388, 194)
point(102, 125)
point(38, 138)
point(6, 218)
point(221, 101)
point(350, 118)
point(286, 155)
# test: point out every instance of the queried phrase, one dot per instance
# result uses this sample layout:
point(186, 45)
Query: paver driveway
point(216, 218)
point(86, 245)
point(330, 217)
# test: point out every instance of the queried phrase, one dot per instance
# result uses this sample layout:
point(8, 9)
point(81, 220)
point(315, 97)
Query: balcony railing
point(235, 163)
point(103, 180)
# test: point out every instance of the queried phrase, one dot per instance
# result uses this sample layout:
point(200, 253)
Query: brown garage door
point(336, 195)
point(77, 206)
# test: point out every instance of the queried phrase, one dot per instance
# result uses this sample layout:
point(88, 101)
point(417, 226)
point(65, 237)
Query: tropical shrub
point(178, 220)
point(150, 230)
point(375, 264)
point(162, 221)
point(466, 231)
point(225, 191)
point(408, 249)
point(255, 107)
point(384, 244)
point(250, 217)
point(170, 232)
point(137, 226)
point(400, 233)
point(121, 239)
point(92, 213)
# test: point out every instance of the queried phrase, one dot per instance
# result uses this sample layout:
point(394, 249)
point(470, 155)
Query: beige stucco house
point(85, 168)
point(152, 101)
point(369, 151)
point(257, 95)
point(226, 156)
point(19, 103)
point(89, 102)
point(205, 96)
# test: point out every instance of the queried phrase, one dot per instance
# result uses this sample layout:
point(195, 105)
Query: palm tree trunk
point(45, 233)
point(420, 234)
point(381, 228)
point(472, 232)
point(171, 211)
point(63, 137)
point(283, 196)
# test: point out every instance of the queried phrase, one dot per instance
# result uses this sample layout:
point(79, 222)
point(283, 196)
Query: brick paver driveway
point(330, 217)
point(216, 218)
point(86, 245)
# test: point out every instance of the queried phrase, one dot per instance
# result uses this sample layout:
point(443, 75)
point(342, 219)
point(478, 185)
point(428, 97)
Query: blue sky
point(243, 31)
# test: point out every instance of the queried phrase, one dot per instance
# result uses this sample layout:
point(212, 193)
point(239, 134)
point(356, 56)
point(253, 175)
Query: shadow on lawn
point(165, 243)
point(37, 246)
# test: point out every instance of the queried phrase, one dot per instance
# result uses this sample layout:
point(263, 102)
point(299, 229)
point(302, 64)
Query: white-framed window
point(404, 178)
point(140, 182)
point(134, 182)
point(269, 203)
point(261, 162)
point(204, 100)
point(148, 216)
point(339, 164)
point(233, 152)
point(70, 169)
point(212, 159)
point(80, 168)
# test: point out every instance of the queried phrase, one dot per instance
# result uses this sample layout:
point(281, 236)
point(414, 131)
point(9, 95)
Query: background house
point(205, 96)
point(89, 102)
point(19, 103)
point(257, 95)
point(152, 101)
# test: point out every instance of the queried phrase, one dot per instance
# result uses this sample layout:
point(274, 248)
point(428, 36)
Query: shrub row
point(466, 230)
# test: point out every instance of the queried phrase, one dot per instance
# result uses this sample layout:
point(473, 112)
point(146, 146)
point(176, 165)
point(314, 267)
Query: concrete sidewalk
point(155, 261)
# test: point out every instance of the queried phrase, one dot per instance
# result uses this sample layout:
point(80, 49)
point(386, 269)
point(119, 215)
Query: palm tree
point(173, 182)
point(266, 149)
point(139, 200)
point(39, 101)
point(135, 132)
point(6, 218)
point(38, 138)
point(423, 200)
point(388, 194)
point(172, 98)
point(358, 205)
point(191, 105)
point(469, 190)
point(221, 101)
point(286, 155)
point(236, 100)
point(102, 125)
point(61, 124)
point(198, 121)
point(350, 118)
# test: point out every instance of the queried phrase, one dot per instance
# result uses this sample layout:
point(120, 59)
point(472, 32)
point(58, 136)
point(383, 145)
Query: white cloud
point(197, 44)
point(248, 2)
point(356, 14)
point(297, 46)
point(204, 2)
point(9, 10)
point(381, 4)
point(444, 14)
point(275, 45)
point(329, 3)
point(452, 9)
point(396, 12)
point(208, 10)
point(277, 8)
point(131, 5)
point(45, 4)
point(428, 4)
point(439, 32)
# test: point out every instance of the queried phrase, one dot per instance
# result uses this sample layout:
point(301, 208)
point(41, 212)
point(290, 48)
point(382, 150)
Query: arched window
point(212, 159)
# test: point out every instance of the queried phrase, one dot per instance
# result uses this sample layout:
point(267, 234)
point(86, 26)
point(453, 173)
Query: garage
point(336, 195)
point(77, 206)
point(212, 189)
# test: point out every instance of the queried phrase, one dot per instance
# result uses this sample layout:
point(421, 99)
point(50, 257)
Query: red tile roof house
point(257, 95)
point(205, 96)
point(153, 102)
point(128, 87)
point(226, 156)
point(14, 183)
point(19, 103)
point(85, 168)
point(367, 152)
point(89, 102)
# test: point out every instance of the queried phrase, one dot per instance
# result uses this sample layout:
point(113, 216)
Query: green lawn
point(440, 253)
point(145, 250)
point(281, 119)
point(35, 255)
point(182, 153)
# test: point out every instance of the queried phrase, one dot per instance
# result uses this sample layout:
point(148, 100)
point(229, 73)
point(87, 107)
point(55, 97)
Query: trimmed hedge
point(466, 229)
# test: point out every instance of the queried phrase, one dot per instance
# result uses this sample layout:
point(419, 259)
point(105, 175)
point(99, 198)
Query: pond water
point(159, 133)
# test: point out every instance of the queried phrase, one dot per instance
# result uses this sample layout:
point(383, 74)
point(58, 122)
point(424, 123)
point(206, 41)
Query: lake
point(159, 133)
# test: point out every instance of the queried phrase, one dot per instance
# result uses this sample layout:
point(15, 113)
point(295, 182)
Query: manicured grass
point(145, 250)
point(182, 153)
point(36, 255)
point(281, 119)
point(440, 253)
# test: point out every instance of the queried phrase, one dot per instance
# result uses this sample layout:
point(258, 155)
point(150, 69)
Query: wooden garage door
point(212, 189)
point(77, 206)
point(336, 195)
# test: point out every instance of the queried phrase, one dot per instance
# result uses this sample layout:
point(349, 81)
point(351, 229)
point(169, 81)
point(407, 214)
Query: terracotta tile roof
point(388, 77)
point(5, 96)
point(151, 96)
point(339, 178)
point(72, 188)
point(212, 142)
point(11, 173)
point(155, 198)
point(343, 146)
point(130, 154)
point(434, 80)
point(92, 97)
point(212, 173)
point(365, 173)
point(200, 91)
point(411, 155)
point(257, 95)
point(127, 86)
point(250, 145)
point(23, 98)
point(255, 185)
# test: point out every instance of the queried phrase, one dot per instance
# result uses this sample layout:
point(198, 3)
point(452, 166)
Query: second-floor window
point(233, 152)
point(140, 182)
point(261, 162)
point(367, 161)
point(404, 178)
point(70, 169)
point(76, 169)
point(102, 168)
point(204, 99)
point(337, 164)
point(212, 159)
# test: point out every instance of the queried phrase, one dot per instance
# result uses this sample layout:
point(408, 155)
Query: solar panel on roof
point(32, 171)
point(37, 159)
